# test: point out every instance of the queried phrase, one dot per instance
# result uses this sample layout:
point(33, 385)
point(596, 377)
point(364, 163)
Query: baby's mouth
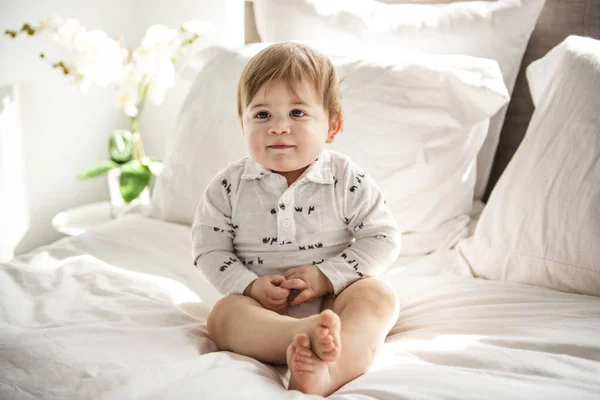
point(280, 146)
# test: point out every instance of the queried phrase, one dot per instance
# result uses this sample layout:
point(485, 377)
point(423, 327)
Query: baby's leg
point(240, 324)
point(368, 309)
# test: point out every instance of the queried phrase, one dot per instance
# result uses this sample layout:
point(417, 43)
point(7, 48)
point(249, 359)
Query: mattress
point(119, 313)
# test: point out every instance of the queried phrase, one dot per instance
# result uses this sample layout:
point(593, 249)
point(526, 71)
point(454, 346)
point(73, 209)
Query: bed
point(119, 312)
point(98, 317)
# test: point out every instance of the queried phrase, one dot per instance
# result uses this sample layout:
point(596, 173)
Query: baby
point(293, 235)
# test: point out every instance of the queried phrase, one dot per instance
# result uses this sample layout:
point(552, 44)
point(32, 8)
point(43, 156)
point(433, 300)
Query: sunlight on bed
point(63, 263)
point(398, 352)
point(179, 293)
point(176, 292)
point(13, 199)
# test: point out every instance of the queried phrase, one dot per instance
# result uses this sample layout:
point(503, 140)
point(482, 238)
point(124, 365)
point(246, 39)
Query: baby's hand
point(267, 291)
point(309, 279)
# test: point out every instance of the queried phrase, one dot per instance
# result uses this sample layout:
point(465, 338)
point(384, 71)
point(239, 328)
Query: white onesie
point(249, 223)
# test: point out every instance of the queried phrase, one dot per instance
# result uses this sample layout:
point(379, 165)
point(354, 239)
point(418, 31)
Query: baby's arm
point(212, 240)
point(376, 234)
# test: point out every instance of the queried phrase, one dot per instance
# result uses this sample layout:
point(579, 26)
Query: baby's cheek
point(254, 146)
point(312, 148)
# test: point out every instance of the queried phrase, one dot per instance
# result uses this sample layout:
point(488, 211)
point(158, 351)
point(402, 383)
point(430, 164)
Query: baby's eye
point(297, 113)
point(262, 115)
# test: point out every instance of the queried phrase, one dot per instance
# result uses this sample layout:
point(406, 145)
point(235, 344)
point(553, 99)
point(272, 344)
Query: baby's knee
point(376, 292)
point(219, 316)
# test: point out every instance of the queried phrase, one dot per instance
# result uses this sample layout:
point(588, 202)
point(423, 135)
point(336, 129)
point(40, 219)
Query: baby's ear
point(335, 125)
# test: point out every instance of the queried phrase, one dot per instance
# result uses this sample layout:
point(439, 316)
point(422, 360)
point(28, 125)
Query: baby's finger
point(280, 303)
point(294, 283)
point(293, 276)
point(277, 279)
point(289, 272)
point(277, 293)
point(304, 295)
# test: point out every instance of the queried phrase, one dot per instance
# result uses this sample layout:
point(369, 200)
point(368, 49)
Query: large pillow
point(498, 30)
point(541, 225)
point(414, 122)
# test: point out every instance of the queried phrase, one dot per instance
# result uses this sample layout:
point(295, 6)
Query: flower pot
point(118, 206)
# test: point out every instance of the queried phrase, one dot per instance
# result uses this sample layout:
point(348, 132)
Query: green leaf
point(98, 169)
point(134, 178)
point(120, 146)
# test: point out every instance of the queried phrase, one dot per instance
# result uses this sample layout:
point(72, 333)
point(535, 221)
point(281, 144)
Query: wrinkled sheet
point(119, 313)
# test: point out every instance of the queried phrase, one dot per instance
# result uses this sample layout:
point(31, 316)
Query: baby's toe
point(301, 340)
point(323, 332)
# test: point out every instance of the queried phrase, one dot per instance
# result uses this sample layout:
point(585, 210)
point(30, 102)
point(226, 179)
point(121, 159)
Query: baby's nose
point(279, 127)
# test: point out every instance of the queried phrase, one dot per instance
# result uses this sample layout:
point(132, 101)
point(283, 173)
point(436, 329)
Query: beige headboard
point(559, 19)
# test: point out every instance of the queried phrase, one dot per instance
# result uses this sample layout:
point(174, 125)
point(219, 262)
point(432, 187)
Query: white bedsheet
point(118, 313)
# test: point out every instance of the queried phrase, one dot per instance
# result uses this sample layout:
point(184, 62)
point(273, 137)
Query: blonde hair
point(292, 63)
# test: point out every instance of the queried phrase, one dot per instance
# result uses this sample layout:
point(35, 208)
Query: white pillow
point(541, 225)
point(415, 123)
point(498, 30)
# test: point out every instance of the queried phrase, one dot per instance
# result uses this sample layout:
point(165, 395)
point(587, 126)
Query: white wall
point(59, 129)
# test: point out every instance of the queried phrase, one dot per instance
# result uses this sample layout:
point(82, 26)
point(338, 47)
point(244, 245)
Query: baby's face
point(285, 130)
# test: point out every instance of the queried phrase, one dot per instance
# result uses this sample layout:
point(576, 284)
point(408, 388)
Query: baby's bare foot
point(325, 336)
point(309, 374)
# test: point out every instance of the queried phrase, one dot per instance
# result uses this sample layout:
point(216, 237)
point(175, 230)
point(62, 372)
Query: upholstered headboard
point(559, 19)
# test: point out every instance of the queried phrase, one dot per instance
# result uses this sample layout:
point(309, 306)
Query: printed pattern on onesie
point(249, 223)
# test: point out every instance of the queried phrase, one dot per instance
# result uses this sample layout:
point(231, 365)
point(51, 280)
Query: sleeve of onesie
point(212, 239)
point(376, 235)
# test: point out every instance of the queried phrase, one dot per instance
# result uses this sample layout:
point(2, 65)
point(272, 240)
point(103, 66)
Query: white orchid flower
point(99, 60)
point(154, 60)
point(69, 32)
point(159, 42)
point(51, 24)
point(161, 81)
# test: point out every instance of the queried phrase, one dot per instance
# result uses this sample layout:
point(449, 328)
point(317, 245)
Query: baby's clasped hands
point(268, 292)
point(273, 291)
point(309, 279)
